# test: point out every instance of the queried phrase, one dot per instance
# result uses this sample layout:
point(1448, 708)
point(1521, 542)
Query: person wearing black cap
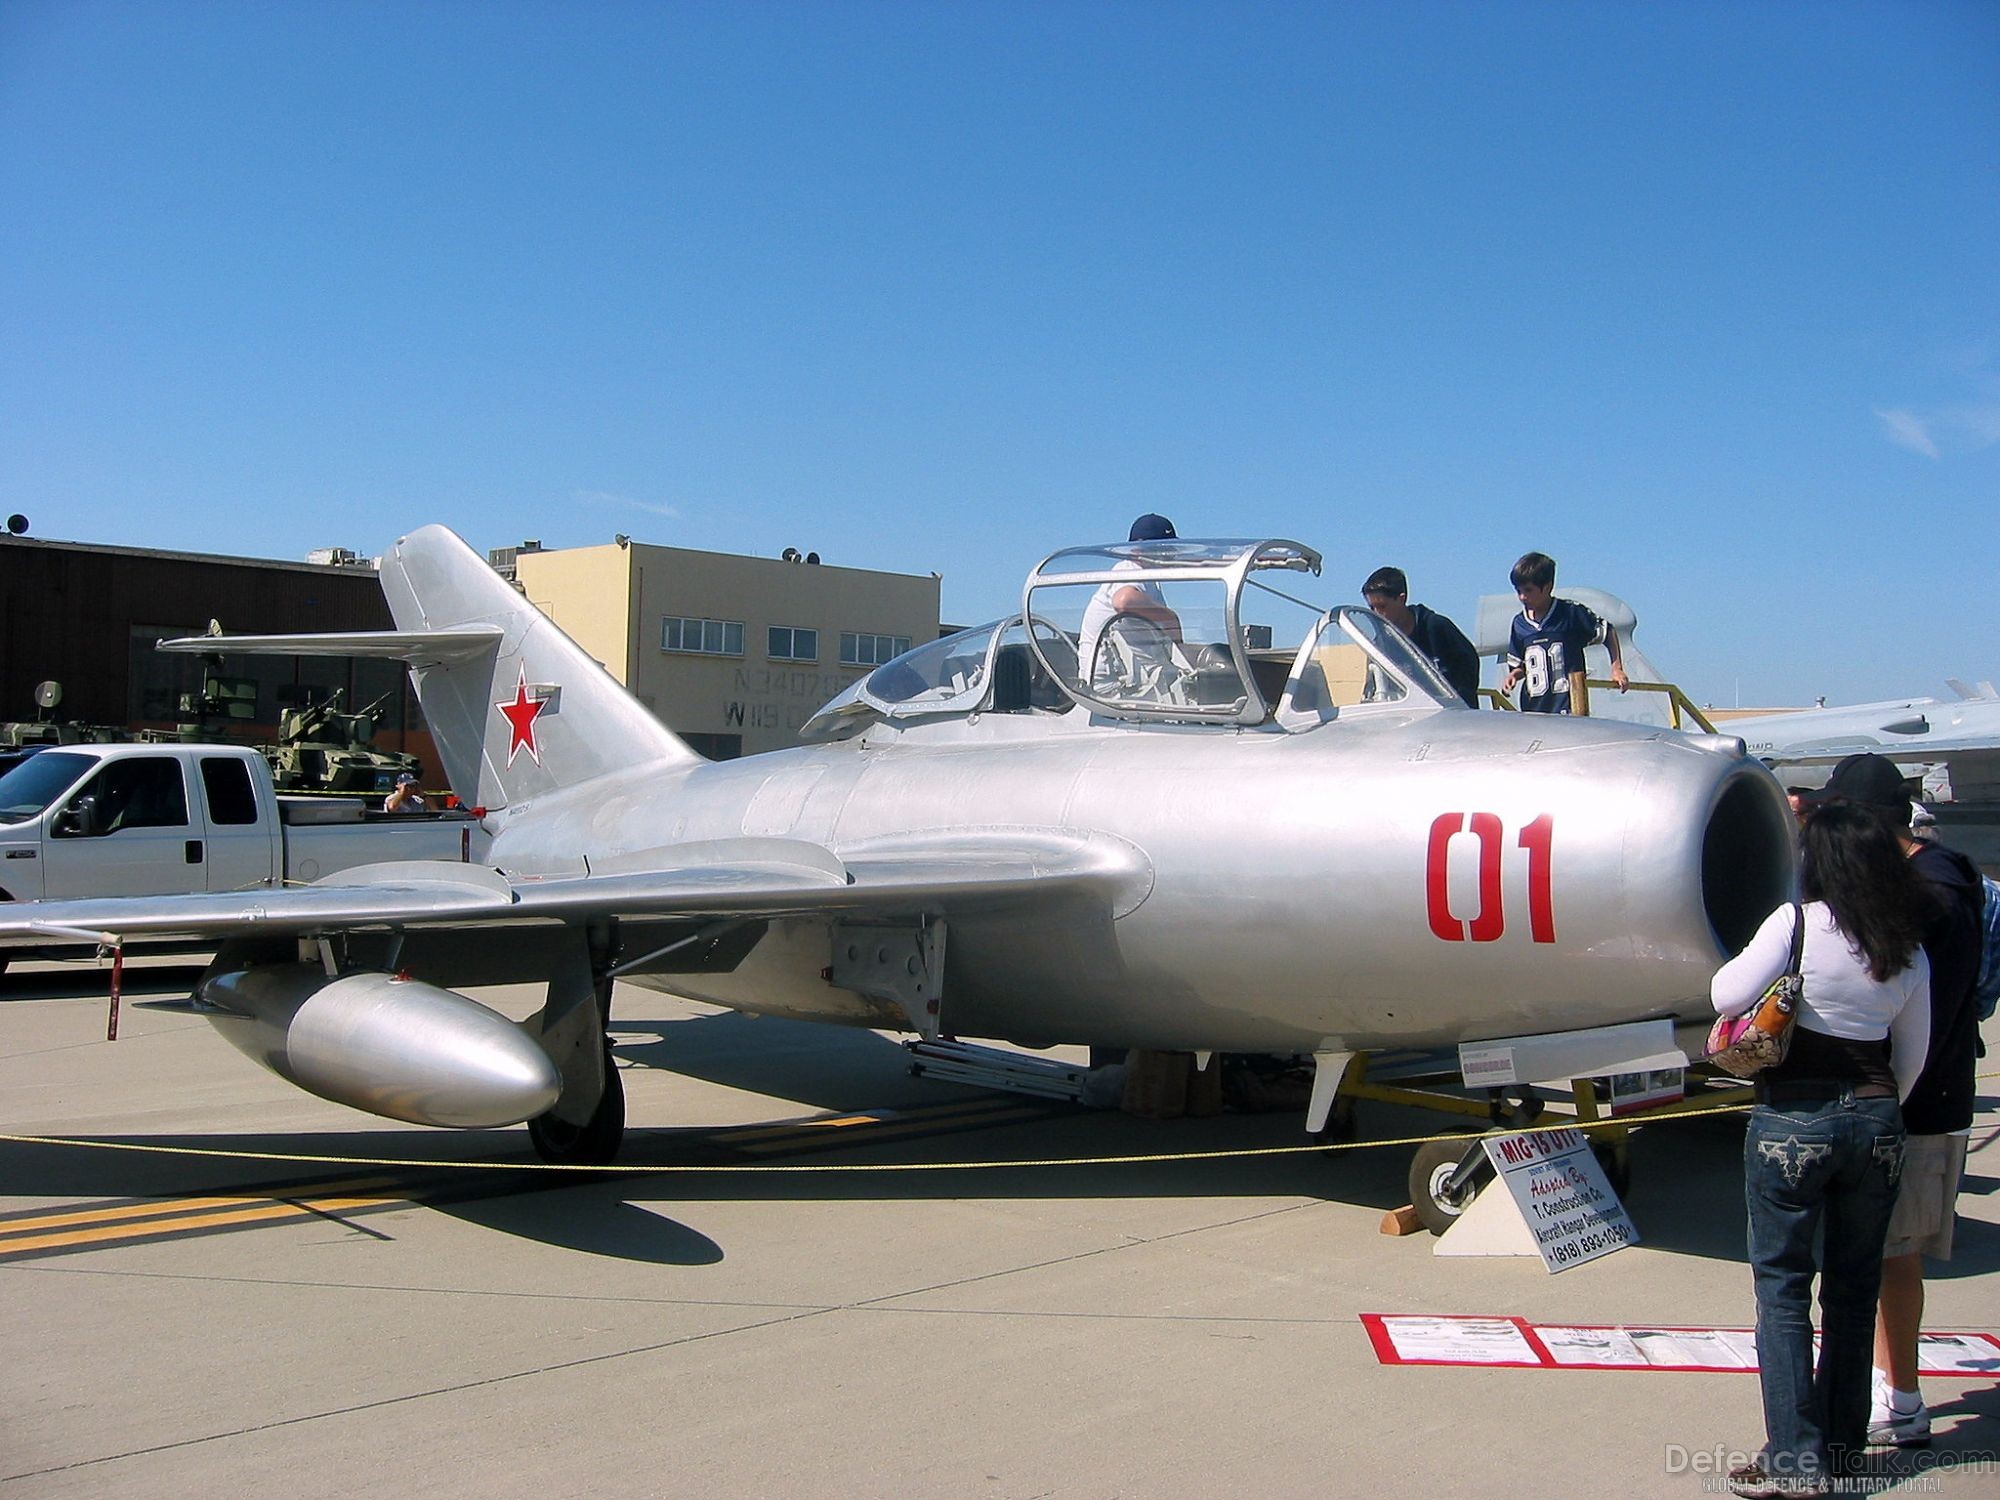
point(1387, 593)
point(407, 797)
point(1938, 1112)
point(1114, 600)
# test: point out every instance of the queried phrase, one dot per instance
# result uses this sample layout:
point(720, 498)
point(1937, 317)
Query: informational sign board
point(1562, 1195)
point(1516, 1343)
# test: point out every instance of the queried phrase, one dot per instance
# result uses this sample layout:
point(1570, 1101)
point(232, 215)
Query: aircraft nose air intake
point(393, 1047)
point(1748, 858)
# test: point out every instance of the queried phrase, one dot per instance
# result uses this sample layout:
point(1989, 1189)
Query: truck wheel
point(595, 1142)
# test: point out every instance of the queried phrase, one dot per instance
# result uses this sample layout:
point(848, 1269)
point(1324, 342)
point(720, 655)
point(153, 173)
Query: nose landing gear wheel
point(595, 1142)
point(1430, 1170)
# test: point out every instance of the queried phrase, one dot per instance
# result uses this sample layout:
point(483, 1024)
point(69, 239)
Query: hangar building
point(733, 653)
point(86, 616)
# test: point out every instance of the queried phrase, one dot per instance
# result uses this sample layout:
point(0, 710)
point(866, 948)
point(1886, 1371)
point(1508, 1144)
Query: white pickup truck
point(148, 820)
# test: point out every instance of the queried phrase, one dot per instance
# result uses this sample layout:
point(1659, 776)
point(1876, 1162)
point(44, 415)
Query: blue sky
point(1700, 299)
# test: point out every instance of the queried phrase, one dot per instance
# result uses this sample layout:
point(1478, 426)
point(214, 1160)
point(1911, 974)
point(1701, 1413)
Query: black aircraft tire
point(1617, 1163)
point(1433, 1163)
point(595, 1142)
point(1341, 1125)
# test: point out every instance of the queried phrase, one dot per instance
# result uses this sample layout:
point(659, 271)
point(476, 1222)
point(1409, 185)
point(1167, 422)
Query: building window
point(864, 650)
point(789, 643)
point(710, 637)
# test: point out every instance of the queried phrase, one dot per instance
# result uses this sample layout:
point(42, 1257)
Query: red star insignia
point(520, 713)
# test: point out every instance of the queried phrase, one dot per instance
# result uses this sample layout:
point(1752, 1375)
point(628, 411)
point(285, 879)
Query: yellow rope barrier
point(642, 1169)
point(1137, 1159)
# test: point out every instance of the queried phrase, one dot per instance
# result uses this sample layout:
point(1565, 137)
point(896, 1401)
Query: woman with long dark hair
point(1824, 1147)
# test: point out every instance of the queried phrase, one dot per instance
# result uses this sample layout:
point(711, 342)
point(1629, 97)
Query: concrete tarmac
point(182, 1324)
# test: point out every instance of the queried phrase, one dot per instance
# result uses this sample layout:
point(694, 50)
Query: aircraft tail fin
point(531, 712)
point(517, 708)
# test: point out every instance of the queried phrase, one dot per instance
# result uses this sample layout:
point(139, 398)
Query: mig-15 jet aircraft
point(1240, 822)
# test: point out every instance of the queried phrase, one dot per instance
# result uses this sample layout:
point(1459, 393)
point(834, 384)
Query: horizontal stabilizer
point(415, 648)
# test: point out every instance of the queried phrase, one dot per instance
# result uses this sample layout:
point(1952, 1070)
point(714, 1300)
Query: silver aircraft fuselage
point(1087, 822)
point(1401, 875)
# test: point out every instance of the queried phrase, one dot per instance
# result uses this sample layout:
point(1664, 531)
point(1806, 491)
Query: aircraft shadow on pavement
point(150, 982)
point(1686, 1195)
point(1685, 1201)
point(588, 1214)
point(821, 1066)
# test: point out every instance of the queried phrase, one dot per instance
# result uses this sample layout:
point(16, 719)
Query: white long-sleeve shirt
point(1841, 997)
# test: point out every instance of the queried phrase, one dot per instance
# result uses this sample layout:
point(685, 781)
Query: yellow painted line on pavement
point(137, 1228)
point(160, 1208)
point(944, 1113)
point(12, 1227)
point(898, 1129)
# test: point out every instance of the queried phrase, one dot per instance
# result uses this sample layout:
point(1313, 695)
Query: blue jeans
point(1828, 1165)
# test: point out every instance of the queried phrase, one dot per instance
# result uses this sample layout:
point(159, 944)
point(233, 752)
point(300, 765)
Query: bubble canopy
point(1176, 631)
point(989, 667)
point(1159, 627)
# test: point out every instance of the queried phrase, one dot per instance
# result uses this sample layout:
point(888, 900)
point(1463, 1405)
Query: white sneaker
point(1891, 1425)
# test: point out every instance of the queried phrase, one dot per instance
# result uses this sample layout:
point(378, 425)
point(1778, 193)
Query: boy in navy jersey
point(1545, 646)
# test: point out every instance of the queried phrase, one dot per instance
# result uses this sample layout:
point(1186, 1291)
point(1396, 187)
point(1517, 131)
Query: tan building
point(732, 653)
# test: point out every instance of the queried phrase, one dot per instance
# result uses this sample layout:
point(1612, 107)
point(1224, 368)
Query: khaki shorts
point(1926, 1204)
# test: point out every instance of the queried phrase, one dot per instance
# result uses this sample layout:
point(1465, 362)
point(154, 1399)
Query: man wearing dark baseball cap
point(1938, 1112)
point(407, 797)
point(1116, 601)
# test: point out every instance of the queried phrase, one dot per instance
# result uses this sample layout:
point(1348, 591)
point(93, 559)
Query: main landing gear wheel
point(595, 1142)
point(1430, 1169)
point(1514, 1108)
point(1341, 1125)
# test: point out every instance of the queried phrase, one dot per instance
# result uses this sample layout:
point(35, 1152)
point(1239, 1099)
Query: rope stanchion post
point(117, 990)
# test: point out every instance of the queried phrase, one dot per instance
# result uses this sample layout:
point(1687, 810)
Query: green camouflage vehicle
point(322, 750)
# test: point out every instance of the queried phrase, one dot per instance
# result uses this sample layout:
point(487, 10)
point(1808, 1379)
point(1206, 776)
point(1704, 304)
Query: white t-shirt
point(1841, 997)
point(1101, 611)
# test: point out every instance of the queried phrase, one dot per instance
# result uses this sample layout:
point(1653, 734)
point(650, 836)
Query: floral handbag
point(1746, 1045)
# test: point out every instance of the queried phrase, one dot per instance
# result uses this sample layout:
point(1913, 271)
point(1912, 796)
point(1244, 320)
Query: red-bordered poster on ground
point(1515, 1343)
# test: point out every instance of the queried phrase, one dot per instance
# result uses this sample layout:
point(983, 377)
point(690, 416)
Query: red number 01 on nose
point(1489, 922)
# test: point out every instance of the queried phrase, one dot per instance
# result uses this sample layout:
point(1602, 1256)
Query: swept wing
point(749, 877)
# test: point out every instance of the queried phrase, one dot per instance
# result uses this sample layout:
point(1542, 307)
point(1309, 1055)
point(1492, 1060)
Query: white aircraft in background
point(1951, 744)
